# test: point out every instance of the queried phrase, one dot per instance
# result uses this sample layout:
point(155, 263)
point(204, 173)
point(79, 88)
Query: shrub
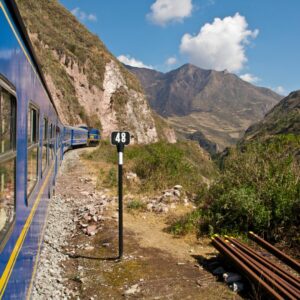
point(162, 165)
point(185, 224)
point(136, 205)
point(259, 190)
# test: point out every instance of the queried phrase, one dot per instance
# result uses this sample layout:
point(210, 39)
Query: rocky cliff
point(87, 82)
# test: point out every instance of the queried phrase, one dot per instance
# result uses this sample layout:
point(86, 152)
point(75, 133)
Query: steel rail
point(293, 280)
point(281, 255)
point(246, 270)
point(283, 290)
point(287, 289)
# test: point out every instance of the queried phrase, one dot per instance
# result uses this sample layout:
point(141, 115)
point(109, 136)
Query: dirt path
point(81, 247)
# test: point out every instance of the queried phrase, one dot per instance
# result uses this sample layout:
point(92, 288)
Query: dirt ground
point(155, 265)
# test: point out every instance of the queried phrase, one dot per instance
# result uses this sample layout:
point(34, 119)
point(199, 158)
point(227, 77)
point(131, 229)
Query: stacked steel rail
point(266, 275)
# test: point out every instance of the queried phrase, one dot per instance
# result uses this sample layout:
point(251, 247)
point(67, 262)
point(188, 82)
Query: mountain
point(87, 82)
point(284, 118)
point(219, 105)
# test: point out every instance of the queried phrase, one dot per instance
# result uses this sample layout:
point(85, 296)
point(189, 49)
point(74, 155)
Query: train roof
point(17, 18)
point(76, 128)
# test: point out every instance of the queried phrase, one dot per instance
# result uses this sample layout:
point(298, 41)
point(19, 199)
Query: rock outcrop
point(87, 82)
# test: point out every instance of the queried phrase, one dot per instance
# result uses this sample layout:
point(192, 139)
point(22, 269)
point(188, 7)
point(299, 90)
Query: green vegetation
point(185, 224)
point(136, 205)
point(162, 165)
point(258, 189)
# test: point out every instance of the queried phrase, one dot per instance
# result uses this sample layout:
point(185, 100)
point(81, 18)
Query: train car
point(31, 148)
point(94, 136)
point(79, 136)
point(67, 134)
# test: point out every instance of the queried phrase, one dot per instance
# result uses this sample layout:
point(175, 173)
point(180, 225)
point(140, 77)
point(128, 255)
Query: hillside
point(218, 105)
point(284, 118)
point(87, 82)
point(258, 188)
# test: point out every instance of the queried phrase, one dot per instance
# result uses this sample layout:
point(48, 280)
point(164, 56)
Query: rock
point(230, 277)
point(177, 187)
point(84, 193)
point(106, 245)
point(150, 206)
point(89, 248)
point(91, 230)
point(199, 282)
point(131, 176)
point(87, 217)
point(177, 193)
point(133, 290)
point(237, 286)
point(163, 209)
point(167, 194)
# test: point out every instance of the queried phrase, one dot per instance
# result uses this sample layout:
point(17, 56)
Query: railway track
point(266, 276)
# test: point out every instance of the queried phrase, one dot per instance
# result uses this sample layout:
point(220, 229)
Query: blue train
point(32, 144)
point(93, 135)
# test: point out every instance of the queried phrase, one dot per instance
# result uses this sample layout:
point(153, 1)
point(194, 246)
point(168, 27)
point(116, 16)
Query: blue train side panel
point(79, 136)
point(19, 251)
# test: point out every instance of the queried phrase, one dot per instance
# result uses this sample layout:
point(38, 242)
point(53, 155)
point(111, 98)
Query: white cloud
point(280, 90)
point(165, 11)
point(92, 18)
point(171, 61)
point(130, 61)
point(83, 16)
point(219, 45)
point(250, 78)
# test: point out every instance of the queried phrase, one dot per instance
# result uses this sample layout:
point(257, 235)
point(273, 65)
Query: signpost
point(120, 139)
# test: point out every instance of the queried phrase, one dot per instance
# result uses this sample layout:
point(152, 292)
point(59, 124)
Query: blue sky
point(255, 39)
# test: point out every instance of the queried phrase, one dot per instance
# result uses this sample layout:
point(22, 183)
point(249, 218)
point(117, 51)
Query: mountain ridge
point(218, 104)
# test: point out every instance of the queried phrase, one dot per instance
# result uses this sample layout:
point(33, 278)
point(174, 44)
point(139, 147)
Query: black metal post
point(120, 148)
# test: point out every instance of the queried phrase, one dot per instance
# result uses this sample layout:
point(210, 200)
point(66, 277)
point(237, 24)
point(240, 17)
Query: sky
point(257, 40)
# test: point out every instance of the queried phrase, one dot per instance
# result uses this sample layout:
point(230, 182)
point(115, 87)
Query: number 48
point(121, 137)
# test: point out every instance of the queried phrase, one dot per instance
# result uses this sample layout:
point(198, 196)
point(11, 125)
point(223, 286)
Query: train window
point(51, 143)
point(7, 161)
point(45, 146)
point(33, 148)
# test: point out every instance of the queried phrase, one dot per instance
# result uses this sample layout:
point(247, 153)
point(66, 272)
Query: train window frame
point(31, 145)
point(45, 141)
point(11, 154)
